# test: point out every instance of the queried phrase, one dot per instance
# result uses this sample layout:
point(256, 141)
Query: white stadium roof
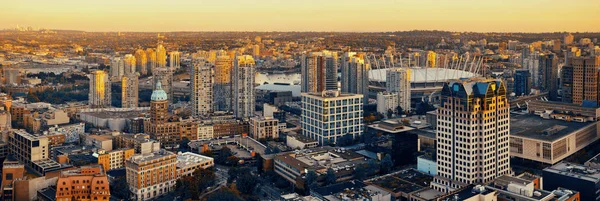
point(420, 75)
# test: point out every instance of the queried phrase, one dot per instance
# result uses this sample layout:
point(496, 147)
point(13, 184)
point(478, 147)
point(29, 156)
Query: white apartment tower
point(129, 64)
point(99, 95)
point(202, 78)
point(398, 81)
point(355, 77)
point(117, 67)
point(129, 91)
point(161, 56)
point(141, 61)
point(386, 101)
point(223, 69)
point(243, 86)
point(473, 127)
point(330, 115)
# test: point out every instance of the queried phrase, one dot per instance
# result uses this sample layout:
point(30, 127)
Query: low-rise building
point(84, 183)
point(584, 179)
point(114, 159)
point(141, 143)
point(296, 141)
point(205, 132)
point(151, 175)
point(104, 142)
point(264, 127)
point(351, 190)
point(189, 162)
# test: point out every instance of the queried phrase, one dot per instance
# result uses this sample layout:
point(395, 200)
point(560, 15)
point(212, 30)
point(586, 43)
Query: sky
point(304, 15)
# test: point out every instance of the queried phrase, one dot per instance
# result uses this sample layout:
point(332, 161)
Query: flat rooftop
point(189, 158)
point(575, 170)
point(535, 127)
point(151, 156)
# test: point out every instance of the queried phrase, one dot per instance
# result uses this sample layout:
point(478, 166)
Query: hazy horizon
point(532, 16)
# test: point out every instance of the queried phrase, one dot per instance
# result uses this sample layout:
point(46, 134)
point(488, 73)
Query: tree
point(236, 172)
point(386, 164)
point(259, 165)
point(183, 145)
point(224, 195)
point(223, 155)
point(359, 172)
point(399, 110)
point(204, 178)
point(330, 177)
point(372, 166)
point(120, 189)
point(246, 183)
point(390, 113)
point(311, 178)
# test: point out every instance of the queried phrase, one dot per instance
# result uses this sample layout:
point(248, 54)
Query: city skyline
point(339, 16)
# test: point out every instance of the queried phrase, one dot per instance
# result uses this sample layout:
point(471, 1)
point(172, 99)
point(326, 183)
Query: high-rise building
point(141, 62)
point(243, 86)
point(255, 51)
point(556, 45)
point(175, 60)
point(568, 39)
point(158, 126)
point(473, 125)
point(165, 76)
point(202, 77)
point(129, 91)
point(99, 95)
point(117, 67)
point(355, 75)
point(223, 92)
point(152, 64)
point(329, 116)
point(386, 101)
point(161, 56)
point(319, 71)
point(84, 183)
point(583, 77)
point(151, 175)
point(431, 59)
point(566, 83)
point(397, 80)
point(548, 75)
point(522, 84)
point(129, 64)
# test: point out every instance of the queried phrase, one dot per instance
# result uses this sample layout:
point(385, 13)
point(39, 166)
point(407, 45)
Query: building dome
point(158, 94)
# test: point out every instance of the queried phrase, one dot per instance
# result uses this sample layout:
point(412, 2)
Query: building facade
point(165, 76)
point(472, 134)
point(129, 91)
point(330, 115)
point(222, 87)
point(548, 71)
point(264, 127)
point(397, 80)
point(386, 101)
point(355, 75)
point(84, 183)
point(202, 78)
point(319, 71)
point(243, 87)
point(522, 84)
point(99, 95)
point(115, 159)
point(581, 79)
point(151, 175)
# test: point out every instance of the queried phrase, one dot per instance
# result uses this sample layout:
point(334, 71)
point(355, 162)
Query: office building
point(580, 80)
point(264, 128)
point(387, 101)
point(151, 175)
point(161, 57)
point(243, 87)
point(319, 71)
point(397, 80)
point(222, 87)
point(99, 95)
point(548, 71)
point(329, 115)
point(114, 159)
point(141, 62)
point(355, 77)
point(129, 90)
point(472, 134)
point(165, 76)
point(522, 82)
point(202, 78)
point(175, 60)
point(84, 183)
point(576, 177)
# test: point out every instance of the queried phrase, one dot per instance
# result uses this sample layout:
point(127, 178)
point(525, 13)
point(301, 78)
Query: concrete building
point(159, 125)
point(243, 87)
point(351, 190)
point(175, 60)
point(329, 115)
point(549, 140)
point(117, 68)
point(189, 162)
point(264, 128)
point(319, 71)
point(202, 78)
point(32, 151)
point(205, 132)
point(72, 184)
point(387, 101)
point(129, 65)
point(355, 77)
point(55, 117)
point(472, 134)
point(104, 142)
point(12, 76)
point(99, 95)
point(151, 175)
point(129, 91)
point(111, 118)
point(581, 79)
point(398, 82)
point(296, 141)
point(222, 86)
point(141, 143)
point(114, 159)
point(585, 180)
